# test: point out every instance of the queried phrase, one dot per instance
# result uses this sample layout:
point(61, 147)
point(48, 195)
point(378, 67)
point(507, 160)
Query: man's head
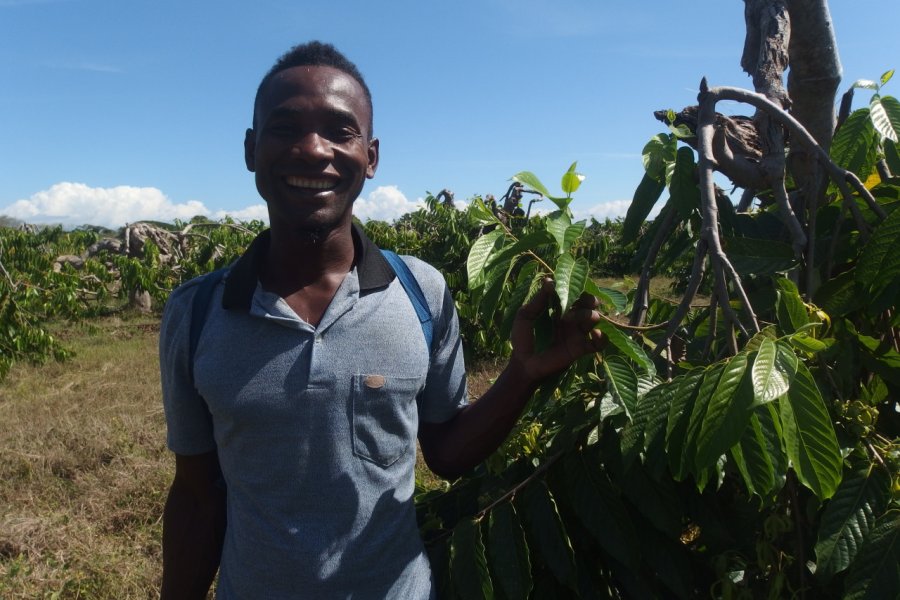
point(311, 146)
point(313, 53)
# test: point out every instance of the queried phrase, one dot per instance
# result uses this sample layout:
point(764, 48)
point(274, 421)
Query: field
point(85, 470)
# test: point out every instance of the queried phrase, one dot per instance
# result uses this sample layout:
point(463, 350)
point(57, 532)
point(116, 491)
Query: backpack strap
point(199, 308)
point(411, 286)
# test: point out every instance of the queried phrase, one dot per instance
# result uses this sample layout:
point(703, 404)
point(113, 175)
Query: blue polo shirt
point(315, 427)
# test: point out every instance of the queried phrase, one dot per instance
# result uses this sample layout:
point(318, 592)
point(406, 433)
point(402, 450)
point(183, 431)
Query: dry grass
point(84, 469)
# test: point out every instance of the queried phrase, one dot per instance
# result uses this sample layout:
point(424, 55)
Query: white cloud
point(74, 204)
point(384, 203)
point(257, 212)
point(604, 210)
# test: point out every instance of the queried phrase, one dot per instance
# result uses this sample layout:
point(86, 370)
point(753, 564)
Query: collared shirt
point(315, 426)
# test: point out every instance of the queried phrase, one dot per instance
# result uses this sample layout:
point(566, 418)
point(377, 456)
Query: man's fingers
point(533, 309)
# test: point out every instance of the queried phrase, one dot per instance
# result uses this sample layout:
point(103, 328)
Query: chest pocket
point(384, 417)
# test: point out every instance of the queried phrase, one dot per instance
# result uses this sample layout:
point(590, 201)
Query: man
point(312, 378)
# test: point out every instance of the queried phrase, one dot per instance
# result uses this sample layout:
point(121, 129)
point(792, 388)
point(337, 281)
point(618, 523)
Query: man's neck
point(298, 259)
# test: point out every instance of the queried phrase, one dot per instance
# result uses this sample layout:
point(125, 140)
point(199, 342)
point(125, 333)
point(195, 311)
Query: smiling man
point(294, 422)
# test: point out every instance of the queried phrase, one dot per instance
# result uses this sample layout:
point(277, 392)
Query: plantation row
point(743, 443)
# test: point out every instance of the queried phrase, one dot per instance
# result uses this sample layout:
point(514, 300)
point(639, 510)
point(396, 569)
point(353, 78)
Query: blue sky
point(115, 111)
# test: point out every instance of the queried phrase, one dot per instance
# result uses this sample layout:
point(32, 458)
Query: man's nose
point(312, 147)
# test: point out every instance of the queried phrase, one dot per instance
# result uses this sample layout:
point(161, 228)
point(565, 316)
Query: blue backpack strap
point(411, 286)
point(199, 308)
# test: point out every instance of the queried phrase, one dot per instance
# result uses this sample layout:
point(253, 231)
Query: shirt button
point(318, 339)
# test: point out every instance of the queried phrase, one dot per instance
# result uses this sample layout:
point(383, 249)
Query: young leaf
point(809, 436)
point(468, 565)
point(479, 255)
point(621, 382)
point(510, 561)
point(848, 518)
point(768, 381)
point(874, 573)
point(627, 346)
point(865, 84)
point(886, 76)
point(481, 213)
point(571, 180)
point(570, 276)
point(548, 531)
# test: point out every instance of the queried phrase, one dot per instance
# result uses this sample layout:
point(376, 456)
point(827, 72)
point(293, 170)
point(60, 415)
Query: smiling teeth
point(315, 184)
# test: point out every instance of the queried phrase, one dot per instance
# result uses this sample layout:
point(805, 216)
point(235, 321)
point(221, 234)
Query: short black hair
point(315, 54)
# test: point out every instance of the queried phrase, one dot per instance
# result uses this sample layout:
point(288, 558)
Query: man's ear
point(373, 158)
point(250, 150)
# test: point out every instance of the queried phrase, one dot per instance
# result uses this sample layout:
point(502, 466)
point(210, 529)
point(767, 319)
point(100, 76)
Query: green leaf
point(573, 234)
point(883, 123)
point(808, 343)
point(683, 188)
point(547, 529)
point(527, 283)
point(886, 76)
point(848, 518)
point(627, 346)
point(792, 313)
point(621, 382)
point(570, 276)
point(727, 413)
point(468, 564)
point(510, 561)
point(652, 411)
point(557, 224)
point(479, 255)
point(769, 382)
point(752, 256)
point(892, 156)
point(481, 213)
point(530, 242)
point(855, 144)
point(657, 154)
point(531, 181)
point(571, 180)
point(841, 295)
point(809, 436)
point(752, 459)
point(610, 298)
point(494, 282)
point(601, 511)
point(680, 410)
point(879, 357)
point(875, 572)
point(879, 263)
point(645, 197)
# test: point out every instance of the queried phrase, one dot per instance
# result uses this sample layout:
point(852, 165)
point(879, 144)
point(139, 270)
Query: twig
point(713, 324)
point(642, 296)
point(697, 271)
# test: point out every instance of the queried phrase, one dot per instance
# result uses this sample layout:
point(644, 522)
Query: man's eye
point(343, 133)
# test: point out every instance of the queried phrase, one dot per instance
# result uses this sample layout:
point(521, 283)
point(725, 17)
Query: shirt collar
point(372, 269)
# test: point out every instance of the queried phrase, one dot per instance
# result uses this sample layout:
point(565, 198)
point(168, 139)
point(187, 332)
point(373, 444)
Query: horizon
point(117, 112)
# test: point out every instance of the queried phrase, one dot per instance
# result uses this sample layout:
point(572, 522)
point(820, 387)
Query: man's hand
point(573, 335)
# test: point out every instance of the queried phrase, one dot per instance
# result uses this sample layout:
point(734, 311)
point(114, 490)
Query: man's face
point(310, 148)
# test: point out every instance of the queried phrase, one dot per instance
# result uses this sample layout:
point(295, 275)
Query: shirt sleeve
point(188, 422)
point(445, 391)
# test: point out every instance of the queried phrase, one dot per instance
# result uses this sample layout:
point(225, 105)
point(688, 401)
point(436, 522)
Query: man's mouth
point(311, 184)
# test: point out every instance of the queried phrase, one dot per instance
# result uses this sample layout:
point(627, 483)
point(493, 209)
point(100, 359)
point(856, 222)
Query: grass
point(84, 470)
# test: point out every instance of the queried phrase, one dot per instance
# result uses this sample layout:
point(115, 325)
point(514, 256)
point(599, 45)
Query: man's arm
point(193, 527)
point(455, 446)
